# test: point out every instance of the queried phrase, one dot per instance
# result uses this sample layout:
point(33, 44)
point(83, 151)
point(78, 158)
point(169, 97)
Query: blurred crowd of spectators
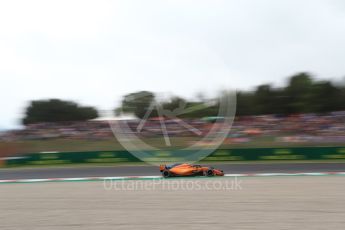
point(294, 128)
point(66, 130)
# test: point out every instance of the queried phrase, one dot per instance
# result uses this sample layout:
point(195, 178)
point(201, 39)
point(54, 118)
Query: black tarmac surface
point(103, 171)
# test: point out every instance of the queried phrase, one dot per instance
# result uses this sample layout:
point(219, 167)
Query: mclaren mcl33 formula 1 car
point(186, 169)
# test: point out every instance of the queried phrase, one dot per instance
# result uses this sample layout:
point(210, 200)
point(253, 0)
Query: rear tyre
point(208, 172)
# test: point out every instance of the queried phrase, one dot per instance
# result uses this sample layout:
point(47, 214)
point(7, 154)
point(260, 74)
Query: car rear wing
point(162, 168)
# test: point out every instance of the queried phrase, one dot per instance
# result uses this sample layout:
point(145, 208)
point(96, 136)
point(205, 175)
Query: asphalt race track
point(267, 203)
point(104, 171)
point(261, 203)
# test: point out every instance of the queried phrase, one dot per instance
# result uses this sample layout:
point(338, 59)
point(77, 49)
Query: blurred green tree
point(325, 97)
point(302, 94)
point(245, 104)
point(138, 103)
point(299, 91)
point(55, 110)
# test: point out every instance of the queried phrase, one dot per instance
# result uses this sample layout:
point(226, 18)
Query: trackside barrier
point(240, 154)
point(269, 154)
point(56, 158)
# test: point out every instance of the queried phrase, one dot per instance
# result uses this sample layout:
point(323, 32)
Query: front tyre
point(166, 174)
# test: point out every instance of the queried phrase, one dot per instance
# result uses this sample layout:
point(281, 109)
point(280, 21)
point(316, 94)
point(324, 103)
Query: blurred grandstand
point(304, 112)
point(301, 128)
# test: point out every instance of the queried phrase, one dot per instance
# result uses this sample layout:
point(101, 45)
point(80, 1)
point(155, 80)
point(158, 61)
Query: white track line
point(159, 177)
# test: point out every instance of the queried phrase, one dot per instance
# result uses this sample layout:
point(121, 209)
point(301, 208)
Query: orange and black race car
point(186, 169)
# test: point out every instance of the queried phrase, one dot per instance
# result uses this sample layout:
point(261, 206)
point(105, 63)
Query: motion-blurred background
point(68, 68)
point(305, 112)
